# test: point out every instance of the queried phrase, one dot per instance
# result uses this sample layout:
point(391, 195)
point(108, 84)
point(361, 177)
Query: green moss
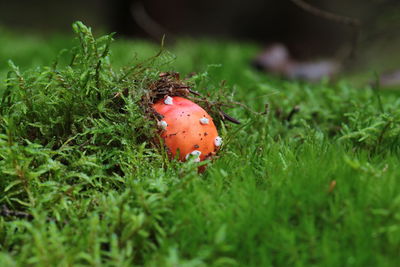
point(320, 188)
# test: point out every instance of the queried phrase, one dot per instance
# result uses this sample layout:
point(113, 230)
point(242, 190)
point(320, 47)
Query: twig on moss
point(229, 118)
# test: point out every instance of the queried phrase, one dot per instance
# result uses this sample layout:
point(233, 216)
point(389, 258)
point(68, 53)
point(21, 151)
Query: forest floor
point(311, 181)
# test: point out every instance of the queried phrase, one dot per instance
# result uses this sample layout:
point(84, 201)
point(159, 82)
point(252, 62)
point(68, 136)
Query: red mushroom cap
point(187, 128)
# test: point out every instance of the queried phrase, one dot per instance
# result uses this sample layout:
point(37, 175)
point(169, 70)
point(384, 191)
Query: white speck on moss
point(194, 154)
point(168, 101)
point(218, 141)
point(162, 124)
point(204, 121)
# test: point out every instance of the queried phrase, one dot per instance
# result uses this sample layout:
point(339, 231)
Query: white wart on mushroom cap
point(162, 124)
point(204, 121)
point(195, 154)
point(218, 141)
point(168, 101)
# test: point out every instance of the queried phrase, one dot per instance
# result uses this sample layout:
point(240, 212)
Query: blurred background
point(305, 33)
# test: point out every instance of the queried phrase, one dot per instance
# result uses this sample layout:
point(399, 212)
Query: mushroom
point(187, 129)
